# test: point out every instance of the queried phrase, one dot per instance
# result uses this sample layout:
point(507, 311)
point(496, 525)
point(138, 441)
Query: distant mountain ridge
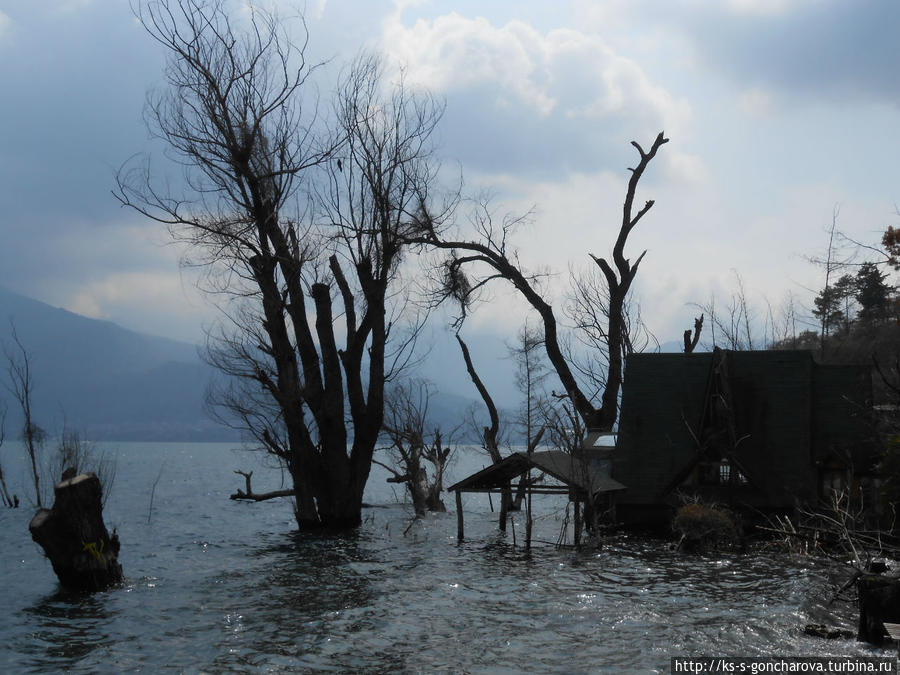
point(115, 384)
point(106, 381)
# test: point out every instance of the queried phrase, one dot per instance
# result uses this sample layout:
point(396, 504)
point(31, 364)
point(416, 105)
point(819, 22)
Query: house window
point(729, 474)
point(724, 471)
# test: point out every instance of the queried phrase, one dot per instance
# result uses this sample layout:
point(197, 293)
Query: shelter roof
point(578, 471)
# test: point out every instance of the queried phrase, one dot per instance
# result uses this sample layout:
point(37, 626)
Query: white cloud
point(123, 273)
point(159, 302)
point(563, 71)
point(148, 289)
point(319, 9)
point(682, 167)
point(756, 102)
point(455, 52)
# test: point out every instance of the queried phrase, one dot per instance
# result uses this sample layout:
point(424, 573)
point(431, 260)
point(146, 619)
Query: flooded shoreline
point(215, 585)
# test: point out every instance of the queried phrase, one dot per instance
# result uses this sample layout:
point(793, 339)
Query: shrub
point(703, 526)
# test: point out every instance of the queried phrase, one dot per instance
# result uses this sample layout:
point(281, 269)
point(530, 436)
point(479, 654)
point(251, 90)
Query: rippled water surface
point(221, 586)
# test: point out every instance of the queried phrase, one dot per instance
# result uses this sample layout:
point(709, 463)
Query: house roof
point(576, 471)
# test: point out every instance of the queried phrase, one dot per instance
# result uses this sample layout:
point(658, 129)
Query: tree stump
point(879, 601)
point(74, 537)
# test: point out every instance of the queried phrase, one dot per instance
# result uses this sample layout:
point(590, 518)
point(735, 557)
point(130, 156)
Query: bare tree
point(413, 443)
point(691, 341)
point(838, 256)
point(76, 455)
point(587, 308)
point(489, 434)
point(285, 275)
point(531, 372)
point(736, 324)
point(473, 263)
point(787, 327)
point(21, 386)
point(5, 492)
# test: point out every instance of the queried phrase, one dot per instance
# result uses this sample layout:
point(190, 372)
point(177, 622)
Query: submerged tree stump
point(74, 537)
point(879, 601)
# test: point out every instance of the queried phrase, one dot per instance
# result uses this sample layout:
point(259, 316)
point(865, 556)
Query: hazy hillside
point(104, 380)
point(115, 384)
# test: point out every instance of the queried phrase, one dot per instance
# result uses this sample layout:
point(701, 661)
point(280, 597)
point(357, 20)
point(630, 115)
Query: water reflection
point(66, 628)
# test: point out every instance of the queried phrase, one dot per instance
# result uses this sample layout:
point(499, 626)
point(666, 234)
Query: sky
point(778, 112)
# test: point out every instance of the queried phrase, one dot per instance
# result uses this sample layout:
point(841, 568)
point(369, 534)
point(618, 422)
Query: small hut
point(582, 476)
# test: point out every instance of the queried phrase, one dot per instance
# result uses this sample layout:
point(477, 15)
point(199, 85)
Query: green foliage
point(873, 294)
point(828, 309)
point(845, 290)
point(891, 243)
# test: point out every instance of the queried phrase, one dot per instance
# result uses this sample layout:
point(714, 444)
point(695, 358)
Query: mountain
point(106, 381)
point(115, 384)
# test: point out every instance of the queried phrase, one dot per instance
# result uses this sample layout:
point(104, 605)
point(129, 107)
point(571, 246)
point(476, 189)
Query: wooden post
point(528, 513)
point(84, 556)
point(504, 507)
point(459, 517)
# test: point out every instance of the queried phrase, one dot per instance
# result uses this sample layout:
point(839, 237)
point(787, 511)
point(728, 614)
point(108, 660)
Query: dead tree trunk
point(84, 555)
point(4, 493)
point(690, 343)
point(490, 253)
point(489, 434)
point(426, 496)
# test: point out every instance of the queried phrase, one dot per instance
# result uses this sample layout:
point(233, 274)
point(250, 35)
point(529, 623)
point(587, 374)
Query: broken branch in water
point(249, 495)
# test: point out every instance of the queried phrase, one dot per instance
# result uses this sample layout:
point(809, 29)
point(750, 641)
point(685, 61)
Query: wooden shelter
point(763, 431)
point(581, 476)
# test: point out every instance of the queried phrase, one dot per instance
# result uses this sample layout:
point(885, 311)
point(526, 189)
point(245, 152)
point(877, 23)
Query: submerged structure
point(761, 431)
point(582, 476)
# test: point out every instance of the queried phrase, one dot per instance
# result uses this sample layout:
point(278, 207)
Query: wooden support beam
point(504, 507)
point(545, 490)
point(459, 517)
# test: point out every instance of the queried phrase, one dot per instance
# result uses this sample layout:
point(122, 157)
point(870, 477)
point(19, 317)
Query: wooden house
point(762, 431)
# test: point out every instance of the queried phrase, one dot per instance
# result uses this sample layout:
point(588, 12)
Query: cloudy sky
point(777, 111)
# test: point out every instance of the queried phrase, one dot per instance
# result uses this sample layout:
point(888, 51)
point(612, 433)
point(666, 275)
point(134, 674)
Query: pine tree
point(872, 294)
point(828, 309)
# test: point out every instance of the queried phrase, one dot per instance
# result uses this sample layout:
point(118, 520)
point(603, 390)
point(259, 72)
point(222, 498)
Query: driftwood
point(827, 632)
point(252, 496)
point(83, 554)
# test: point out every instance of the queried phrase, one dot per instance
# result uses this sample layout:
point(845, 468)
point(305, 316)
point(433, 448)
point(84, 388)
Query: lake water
point(220, 586)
